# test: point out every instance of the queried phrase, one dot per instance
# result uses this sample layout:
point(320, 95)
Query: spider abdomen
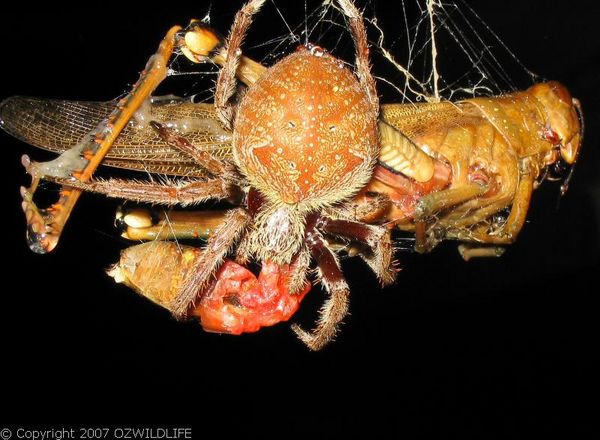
point(306, 132)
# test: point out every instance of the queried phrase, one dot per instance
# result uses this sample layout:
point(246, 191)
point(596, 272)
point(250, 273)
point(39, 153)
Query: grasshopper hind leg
point(78, 164)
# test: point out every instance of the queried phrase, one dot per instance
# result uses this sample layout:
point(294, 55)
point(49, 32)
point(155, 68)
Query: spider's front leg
point(218, 168)
point(226, 82)
point(222, 186)
point(182, 193)
point(78, 164)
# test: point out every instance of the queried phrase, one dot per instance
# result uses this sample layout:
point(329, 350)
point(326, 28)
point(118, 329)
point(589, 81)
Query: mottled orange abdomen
point(306, 131)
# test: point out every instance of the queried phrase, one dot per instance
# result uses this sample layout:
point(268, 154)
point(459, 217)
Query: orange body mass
point(306, 131)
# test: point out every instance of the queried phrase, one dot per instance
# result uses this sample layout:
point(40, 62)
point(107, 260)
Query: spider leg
point(201, 274)
point(336, 307)
point(226, 82)
point(428, 205)
point(214, 166)
point(377, 238)
point(298, 271)
point(369, 207)
point(361, 44)
point(170, 193)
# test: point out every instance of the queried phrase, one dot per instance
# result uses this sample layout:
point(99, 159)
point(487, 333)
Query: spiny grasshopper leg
point(44, 226)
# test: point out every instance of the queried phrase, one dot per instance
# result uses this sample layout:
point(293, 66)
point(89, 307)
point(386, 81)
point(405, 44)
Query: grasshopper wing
point(57, 125)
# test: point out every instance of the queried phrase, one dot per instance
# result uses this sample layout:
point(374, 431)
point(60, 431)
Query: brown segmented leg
point(299, 272)
point(516, 219)
point(381, 260)
point(377, 238)
point(170, 194)
point(201, 274)
point(45, 226)
point(454, 221)
point(217, 168)
point(226, 82)
point(369, 207)
point(248, 72)
point(361, 43)
point(336, 307)
point(430, 204)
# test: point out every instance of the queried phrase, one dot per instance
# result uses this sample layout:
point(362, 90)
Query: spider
point(304, 140)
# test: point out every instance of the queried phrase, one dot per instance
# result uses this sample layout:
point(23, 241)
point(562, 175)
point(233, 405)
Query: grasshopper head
point(564, 128)
point(564, 117)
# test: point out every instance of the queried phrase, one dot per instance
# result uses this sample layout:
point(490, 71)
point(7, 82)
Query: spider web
point(422, 50)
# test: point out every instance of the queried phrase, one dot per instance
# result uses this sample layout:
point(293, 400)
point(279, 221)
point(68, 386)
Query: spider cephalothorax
point(306, 132)
point(305, 136)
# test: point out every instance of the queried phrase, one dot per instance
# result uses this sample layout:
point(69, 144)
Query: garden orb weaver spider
point(305, 139)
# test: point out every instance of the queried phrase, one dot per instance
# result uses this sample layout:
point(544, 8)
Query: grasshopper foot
point(39, 236)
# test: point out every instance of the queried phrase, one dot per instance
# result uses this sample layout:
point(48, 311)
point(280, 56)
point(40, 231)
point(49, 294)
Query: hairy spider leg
point(226, 81)
point(376, 238)
point(201, 274)
point(335, 307)
point(378, 256)
point(171, 193)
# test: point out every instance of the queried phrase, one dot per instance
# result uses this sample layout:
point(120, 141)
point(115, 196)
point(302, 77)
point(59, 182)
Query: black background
point(500, 348)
